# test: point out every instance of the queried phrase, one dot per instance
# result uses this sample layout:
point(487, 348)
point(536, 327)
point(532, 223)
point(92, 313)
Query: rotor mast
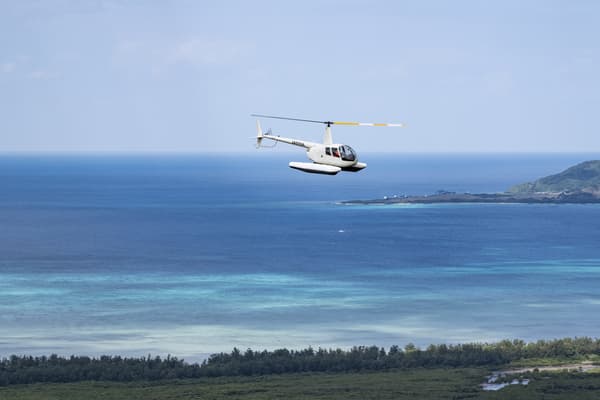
point(327, 139)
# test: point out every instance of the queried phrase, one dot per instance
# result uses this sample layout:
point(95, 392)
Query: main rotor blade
point(291, 119)
point(329, 123)
point(364, 124)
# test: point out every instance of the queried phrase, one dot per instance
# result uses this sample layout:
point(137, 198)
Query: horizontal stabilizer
point(314, 168)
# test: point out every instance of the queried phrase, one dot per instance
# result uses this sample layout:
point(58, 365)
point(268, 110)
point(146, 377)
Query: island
point(579, 184)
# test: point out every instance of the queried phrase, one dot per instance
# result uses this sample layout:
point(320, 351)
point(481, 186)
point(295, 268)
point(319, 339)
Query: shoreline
point(576, 197)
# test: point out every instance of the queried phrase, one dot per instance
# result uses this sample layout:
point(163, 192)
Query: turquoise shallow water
point(192, 255)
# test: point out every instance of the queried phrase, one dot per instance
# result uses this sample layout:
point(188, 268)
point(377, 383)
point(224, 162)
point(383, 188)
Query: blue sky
point(465, 76)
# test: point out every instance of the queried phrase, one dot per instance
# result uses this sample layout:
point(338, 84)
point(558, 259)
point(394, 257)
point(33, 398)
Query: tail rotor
point(259, 134)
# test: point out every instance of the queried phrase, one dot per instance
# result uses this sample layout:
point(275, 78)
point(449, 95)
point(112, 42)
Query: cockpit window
point(347, 153)
point(335, 152)
point(343, 152)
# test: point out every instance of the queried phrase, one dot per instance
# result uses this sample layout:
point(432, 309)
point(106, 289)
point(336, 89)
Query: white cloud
point(206, 52)
point(40, 74)
point(8, 67)
point(194, 51)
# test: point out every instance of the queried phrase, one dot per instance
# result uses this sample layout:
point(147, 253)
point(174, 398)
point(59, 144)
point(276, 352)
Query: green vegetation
point(26, 370)
point(553, 385)
point(581, 177)
point(554, 361)
point(437, 372)
point(420, 383)
point(412, 384)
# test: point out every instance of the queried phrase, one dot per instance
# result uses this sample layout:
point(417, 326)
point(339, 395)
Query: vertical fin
point(259, 134)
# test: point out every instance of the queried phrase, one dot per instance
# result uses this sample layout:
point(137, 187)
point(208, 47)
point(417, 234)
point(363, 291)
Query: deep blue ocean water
point(194, 254)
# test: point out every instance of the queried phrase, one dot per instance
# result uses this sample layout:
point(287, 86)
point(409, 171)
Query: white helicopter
point(328, 158)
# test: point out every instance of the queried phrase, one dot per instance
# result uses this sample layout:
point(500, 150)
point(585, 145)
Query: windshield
point(347, 153)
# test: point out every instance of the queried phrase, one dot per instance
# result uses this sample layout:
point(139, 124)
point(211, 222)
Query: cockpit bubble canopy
point(347, 153)
point(344, 152)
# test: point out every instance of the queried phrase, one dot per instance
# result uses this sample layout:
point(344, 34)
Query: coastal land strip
point(579, 184)
point(576, 197)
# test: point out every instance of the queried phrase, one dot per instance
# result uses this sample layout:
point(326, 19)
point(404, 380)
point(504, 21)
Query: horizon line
point(284, 152)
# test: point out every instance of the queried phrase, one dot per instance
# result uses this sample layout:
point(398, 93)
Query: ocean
point(190, 255)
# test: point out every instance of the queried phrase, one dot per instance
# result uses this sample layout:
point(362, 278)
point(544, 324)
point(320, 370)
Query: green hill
point(581, 177)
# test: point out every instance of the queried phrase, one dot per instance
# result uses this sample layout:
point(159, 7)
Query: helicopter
point(327, 158)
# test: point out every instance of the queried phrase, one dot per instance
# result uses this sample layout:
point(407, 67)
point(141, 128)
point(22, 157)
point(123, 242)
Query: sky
point(184, 76)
